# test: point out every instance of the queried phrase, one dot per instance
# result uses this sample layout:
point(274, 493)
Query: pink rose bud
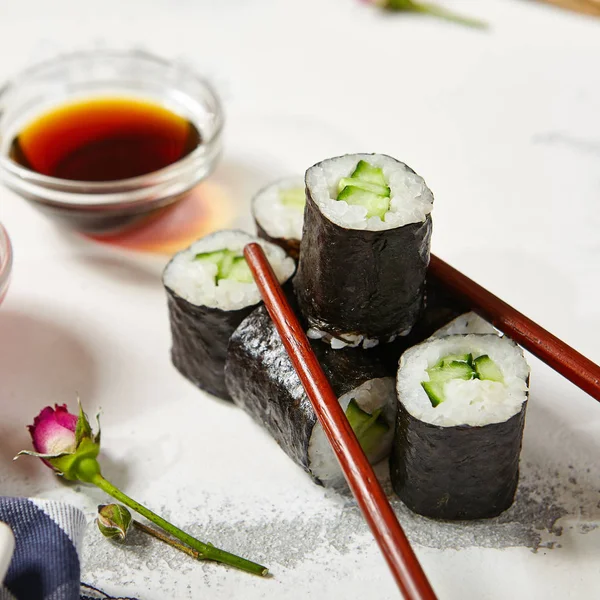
point(113, 521)
point(65, 443)
point(53, 431)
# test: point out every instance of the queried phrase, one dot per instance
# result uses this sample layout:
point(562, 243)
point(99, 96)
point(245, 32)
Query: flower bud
point(66, 443)
point(113, 521)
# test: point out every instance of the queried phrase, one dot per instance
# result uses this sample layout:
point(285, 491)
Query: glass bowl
point(97, 207)
point(5, 262)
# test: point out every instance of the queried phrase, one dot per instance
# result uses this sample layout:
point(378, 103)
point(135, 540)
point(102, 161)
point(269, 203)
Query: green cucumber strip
point(453, 370)
point(466, 358)
point(376, 205)
point(240, 271)
point(367, 172)
point(435, 391)
point(371, 438)
point(293, 197)
point(230, 265)
point(367, 186)
point(458, 366)
point(213, 257)
point(368, 428)
point(486, 368)
point(225, 265)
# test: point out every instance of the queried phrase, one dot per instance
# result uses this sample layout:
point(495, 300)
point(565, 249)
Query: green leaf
point(97, 436)
point(83, 429)
point(39, 455)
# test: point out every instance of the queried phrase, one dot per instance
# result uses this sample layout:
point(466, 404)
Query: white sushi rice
point(371, 395)
point(467, 323)
point(277, 219)
point(349, 340)
point(475, 402)
point(410, 199)
point(194, 280)
point(345, 340)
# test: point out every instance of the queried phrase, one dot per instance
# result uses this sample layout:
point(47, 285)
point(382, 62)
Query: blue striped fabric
point(45, 564)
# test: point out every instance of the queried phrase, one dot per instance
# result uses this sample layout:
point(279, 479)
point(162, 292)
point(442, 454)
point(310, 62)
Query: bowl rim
point(159, 176)
point(6, 258)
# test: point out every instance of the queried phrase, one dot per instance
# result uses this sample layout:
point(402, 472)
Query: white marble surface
point(504, 127)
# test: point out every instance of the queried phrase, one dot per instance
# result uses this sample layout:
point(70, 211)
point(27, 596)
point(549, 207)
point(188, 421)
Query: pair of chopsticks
point(369, 494)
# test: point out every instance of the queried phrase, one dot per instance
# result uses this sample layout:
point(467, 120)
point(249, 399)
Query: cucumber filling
point(230, 264)
point(293, 198)
point(366, 187)
point(486, 368)
point(459, 366)
point(369, 428)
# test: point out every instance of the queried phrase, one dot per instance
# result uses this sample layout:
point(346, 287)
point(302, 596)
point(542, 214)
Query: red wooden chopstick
point(356, 468)
point(540, 342)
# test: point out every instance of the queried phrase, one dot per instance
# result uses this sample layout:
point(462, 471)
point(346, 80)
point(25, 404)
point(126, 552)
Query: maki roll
point(261, 379)
point(461, 412)
point(210, 290)
point(278, 212)
point(365, 249)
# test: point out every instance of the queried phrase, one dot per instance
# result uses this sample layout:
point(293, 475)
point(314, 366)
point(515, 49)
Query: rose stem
point(205, 551)
point(167, 539)
point(442, 13)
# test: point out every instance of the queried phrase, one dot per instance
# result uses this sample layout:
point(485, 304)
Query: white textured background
point(504, 126)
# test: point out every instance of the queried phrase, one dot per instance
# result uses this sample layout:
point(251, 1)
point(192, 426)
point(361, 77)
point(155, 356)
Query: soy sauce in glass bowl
point(100, 140)
point(5, 262)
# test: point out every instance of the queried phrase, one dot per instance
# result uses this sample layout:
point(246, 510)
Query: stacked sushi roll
point(365, 249)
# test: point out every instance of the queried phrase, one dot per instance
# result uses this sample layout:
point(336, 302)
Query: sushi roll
point(210, 290)
point(261, 379)
point(461, 412)
point(278, 211)
point(365, 249)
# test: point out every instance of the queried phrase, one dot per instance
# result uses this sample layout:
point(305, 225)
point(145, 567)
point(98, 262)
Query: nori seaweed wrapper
point(200, 336)
point(362, 282)
point(460, 472)
point(261, 379)
point(290, 245)
point(441, 307)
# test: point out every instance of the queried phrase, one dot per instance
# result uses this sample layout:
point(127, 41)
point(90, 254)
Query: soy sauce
point(104, 139)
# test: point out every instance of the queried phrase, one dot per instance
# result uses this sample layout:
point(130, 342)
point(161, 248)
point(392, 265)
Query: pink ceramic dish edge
point(5, 262)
